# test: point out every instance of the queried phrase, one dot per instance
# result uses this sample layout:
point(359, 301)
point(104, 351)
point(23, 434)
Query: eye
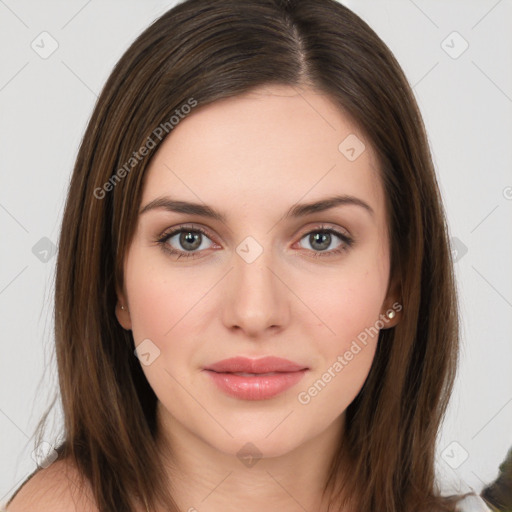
point(322, 238)
point(184, 242)
point(188, 242)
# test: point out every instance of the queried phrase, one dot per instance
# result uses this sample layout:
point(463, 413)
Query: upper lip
point(247, 365)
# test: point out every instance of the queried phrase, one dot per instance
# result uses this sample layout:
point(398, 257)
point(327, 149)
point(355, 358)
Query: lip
point(247, 365)
point(285, 374)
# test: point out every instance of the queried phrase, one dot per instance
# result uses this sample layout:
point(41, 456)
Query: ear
point(392, 304)
point(122, 311)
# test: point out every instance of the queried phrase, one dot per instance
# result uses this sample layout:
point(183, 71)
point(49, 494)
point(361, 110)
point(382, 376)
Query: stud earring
point(123, 308)
point(390, 314)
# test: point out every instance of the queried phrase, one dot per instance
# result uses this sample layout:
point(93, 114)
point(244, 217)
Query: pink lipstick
point(255, 379)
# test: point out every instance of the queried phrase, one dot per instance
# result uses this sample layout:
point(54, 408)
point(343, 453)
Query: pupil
point(325, 237)
point(190, 238)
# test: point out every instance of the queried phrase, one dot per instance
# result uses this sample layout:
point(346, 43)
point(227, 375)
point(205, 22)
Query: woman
point(258, 309)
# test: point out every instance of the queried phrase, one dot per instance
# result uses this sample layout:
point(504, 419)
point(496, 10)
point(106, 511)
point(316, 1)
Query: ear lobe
point(392, 306)
point(123, 317)
point(122, 312)
point(391, 315)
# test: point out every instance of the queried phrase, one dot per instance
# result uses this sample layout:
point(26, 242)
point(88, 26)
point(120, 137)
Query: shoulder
point(57, 488)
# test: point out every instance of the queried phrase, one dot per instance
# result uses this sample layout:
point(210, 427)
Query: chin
point(251, 450)
point(268, 440)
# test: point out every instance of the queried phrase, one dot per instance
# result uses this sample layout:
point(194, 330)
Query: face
point(264, 277)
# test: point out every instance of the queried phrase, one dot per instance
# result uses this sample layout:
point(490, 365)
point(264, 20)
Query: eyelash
point(162, 240)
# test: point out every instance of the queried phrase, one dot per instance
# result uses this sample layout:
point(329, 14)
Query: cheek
point(160, 297)
point(154, 306)
point(349, 303)
point(159, 303)
point(166, 305)
point(347, 300)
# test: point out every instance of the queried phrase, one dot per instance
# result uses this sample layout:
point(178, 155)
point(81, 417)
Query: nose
point(256, 301)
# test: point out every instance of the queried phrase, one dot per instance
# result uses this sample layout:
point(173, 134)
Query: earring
point(390, 314)
point(123, 308)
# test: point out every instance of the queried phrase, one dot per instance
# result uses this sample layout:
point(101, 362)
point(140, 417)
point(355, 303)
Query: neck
point(204, 478)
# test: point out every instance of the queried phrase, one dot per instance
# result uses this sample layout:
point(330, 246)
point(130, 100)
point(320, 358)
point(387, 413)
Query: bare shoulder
point(57, 488)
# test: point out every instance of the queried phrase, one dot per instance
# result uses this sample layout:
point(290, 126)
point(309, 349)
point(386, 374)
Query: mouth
point(255, 379)
point(244, 374)
point(248, 366)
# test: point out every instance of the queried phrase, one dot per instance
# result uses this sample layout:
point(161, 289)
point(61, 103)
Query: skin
point(252, 157)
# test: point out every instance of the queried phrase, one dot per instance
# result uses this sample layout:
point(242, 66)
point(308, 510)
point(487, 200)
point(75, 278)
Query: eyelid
point(346, 239)
point(323, 226)
point(170, 232)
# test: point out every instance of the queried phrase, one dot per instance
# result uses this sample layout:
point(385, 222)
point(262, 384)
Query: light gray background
point(466, 101)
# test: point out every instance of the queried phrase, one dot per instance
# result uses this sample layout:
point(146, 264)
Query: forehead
point(272, 145)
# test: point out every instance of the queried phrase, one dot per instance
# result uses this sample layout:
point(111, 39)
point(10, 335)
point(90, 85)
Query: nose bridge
point(256, 299)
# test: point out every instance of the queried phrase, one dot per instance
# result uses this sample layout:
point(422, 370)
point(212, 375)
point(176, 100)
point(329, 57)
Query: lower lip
point(255, 388)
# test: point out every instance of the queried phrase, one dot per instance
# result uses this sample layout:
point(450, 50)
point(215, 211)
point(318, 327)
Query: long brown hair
point(201, 51)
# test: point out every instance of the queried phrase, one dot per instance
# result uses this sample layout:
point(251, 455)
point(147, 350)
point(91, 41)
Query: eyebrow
point(296, 211)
